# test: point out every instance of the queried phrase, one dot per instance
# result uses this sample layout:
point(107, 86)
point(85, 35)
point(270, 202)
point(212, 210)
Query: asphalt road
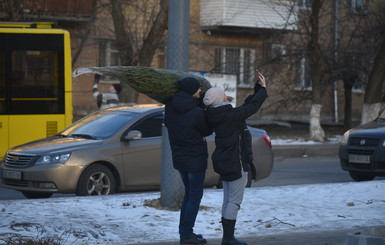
point(305, 170)
point(287, 171)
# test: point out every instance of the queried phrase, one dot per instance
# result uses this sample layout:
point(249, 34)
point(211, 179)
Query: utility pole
point(172, 189)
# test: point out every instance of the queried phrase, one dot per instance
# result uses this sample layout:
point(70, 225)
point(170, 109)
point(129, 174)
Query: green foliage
point(158, 84)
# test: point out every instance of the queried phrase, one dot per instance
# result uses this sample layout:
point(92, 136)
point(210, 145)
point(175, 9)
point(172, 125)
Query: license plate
point(359, 159)
point(11, 174)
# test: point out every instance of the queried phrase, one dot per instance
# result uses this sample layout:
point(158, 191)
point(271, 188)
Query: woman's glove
point(96, 78)
point(257, 86)
point(260, 82)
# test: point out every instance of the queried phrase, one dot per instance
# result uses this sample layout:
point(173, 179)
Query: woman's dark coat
point(187, 126)
point(232, 139)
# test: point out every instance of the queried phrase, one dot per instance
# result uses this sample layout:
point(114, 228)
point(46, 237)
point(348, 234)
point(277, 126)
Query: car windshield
point(98, 126)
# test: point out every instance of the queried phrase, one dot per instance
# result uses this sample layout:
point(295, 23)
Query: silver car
point(112, 150)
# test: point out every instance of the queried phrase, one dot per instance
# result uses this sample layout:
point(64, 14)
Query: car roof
point(138, 108)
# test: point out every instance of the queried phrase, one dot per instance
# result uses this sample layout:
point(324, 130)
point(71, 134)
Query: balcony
point(246, 14)
point(68, 10)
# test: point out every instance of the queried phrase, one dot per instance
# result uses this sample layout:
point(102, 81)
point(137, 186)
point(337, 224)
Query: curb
point(305, 150)
point(369, 236)
point(327, 237)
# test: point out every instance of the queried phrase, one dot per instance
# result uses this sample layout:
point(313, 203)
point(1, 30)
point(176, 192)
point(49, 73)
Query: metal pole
point(178, 35)
point(336, 30)
point(172, 188)
point(171, 185)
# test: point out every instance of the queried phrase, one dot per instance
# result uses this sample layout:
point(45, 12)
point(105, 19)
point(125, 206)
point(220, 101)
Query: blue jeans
point(193, 184)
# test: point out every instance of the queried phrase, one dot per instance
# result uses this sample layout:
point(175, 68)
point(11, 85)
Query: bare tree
point(375, 34)
point(373, 101)
point(123, 40)
point(155, 35)
point(11, 10)
point(316, 59)
point(309, 45)
point(84, 37)
point(139, 30)
point(361, 38)
point(355, 46)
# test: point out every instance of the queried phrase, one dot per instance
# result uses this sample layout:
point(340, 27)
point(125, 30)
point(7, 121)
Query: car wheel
point(96, 180)
point(361, 177)
point(248, 184)
point(34, 195)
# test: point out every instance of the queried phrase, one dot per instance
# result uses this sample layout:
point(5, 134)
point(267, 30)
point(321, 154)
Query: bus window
point(34, 83)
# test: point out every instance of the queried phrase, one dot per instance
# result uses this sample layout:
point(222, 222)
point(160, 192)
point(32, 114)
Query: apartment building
point(226, 37)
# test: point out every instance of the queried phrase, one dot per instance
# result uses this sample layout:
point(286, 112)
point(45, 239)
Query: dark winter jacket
point(187, 126)
point(232, 139)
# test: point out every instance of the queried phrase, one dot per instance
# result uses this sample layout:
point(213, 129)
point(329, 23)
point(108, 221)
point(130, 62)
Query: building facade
point(226, 36)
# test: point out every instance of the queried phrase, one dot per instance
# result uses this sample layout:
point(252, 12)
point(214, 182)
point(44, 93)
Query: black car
point(362, 150)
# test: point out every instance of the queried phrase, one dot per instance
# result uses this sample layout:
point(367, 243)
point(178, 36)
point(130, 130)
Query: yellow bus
point(35, 82)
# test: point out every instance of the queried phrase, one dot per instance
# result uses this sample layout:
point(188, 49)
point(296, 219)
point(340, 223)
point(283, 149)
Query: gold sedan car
point(112, 150)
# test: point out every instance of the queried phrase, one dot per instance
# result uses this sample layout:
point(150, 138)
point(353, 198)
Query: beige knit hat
point(214, 96)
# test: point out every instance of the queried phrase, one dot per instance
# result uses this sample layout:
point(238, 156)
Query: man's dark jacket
point(187, 126)
point(233, 144)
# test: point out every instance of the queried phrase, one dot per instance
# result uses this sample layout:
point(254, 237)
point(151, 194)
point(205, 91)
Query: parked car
point(112, 150)
point(362, 151)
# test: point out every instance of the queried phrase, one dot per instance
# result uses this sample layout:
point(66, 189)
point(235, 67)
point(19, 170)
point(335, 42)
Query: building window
point(359, 84)
point(108, 54)
point(357, 6)
point(232, 61)
point(237, 61)
point(304, 4)
point(278, 51)
point(304, 79)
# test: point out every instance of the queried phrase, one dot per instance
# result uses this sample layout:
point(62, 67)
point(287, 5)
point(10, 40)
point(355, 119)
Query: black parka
point(233, 143)
point(187, 126)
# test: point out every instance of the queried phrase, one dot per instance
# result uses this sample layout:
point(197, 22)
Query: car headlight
point(54, 158)
point(345, 138)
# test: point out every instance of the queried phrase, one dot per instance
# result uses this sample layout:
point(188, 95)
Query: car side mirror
point(133, 135)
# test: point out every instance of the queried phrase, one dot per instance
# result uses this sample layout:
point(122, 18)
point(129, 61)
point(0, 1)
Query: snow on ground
point(302, 141)
point(124, 219)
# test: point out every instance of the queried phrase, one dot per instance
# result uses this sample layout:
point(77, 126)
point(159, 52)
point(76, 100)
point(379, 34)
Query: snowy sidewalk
point(266, 211)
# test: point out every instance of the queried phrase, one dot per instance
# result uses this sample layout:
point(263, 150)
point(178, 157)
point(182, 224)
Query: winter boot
point(228, 233)
point(194, 239)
